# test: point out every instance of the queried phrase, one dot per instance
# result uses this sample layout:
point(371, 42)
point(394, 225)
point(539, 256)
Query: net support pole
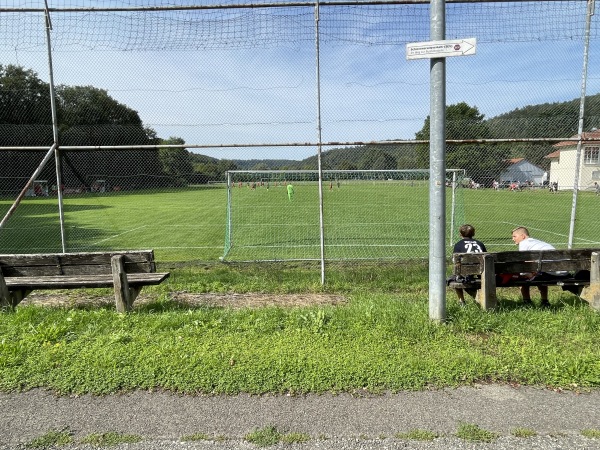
point(437, 168)
point(319, 145)
point(61, 212)
point(586, 47)
point(228, 235)
point(453, 209)
point(23, 192)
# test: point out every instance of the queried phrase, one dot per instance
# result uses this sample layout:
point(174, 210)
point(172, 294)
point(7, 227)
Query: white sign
point(441, 49)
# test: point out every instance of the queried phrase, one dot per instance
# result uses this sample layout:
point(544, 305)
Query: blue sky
point(269, 95)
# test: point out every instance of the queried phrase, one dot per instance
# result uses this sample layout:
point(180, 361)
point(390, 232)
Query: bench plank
point(83, 281)
point(74, 263)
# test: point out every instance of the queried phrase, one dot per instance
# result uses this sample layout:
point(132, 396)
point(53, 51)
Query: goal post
point(273, 215)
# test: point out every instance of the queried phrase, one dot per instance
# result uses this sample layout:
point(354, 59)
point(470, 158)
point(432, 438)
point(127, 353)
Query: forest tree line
point(88, 116)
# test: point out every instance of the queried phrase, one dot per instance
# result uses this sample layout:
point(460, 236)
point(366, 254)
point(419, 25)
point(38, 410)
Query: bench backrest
point(525, 261)
point(93, 263)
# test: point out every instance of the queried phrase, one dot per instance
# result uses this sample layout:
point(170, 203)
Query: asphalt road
point(338, 422)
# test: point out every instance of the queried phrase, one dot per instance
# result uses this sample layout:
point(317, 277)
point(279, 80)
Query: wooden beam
point(122, 292)
point(487, 294)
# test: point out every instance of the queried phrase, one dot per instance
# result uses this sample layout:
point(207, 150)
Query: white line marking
point(552, 232)
point(120, 234)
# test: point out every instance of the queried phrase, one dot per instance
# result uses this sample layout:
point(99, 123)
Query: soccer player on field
point(290, 191)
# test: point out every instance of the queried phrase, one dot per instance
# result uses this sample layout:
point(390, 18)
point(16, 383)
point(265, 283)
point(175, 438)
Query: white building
point(563, 161)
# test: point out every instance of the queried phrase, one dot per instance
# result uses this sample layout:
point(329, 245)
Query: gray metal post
point(437, 168)
point(61, 213)
point(229, 234)
point(590, 13)
point(319, 145)
point(453, 208)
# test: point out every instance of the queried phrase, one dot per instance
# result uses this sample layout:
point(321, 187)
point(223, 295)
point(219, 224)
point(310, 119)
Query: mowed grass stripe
point(190, 223)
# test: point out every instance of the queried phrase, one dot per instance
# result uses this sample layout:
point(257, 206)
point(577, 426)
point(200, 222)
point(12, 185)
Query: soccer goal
point(275, 215)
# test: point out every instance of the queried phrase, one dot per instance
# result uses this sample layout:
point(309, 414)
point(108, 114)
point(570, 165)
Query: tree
point(346, 165)
point(24, 98)
point(25, 112)
point(376, 159)
point(176, 161)
point(89, 116)
point(464, 122)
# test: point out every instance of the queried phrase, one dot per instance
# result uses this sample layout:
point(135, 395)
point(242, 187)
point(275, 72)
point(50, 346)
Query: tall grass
point(380, 339)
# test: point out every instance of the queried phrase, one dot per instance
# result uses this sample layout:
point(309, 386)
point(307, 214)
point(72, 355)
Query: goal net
point(366, 214)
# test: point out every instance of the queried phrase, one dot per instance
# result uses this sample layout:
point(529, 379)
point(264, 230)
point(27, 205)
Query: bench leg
point(5, 297)
point(591, 293)
point(487, 293)
point(10, 299)
point(123, 300)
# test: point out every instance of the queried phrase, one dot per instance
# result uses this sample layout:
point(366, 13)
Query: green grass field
point(361, 220)
point(379, 338)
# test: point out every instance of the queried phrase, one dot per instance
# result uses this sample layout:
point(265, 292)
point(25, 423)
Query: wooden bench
point(127, 272)
point(488, 268)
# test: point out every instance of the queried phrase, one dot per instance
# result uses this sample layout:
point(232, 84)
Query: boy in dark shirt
point(468, 244)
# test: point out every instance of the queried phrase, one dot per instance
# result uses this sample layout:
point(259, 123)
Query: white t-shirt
point(534, 244)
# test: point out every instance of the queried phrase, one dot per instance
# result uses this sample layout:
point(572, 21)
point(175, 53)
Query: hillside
point(550, 120)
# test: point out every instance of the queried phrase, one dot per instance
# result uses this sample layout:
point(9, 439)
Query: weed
point(295, 438)
point(591, 433)
point(195, 437)
point(264, 437)
point(52, 438)
point(417, 435)
point(523, 432)
point(472, 432)
point(110, 438)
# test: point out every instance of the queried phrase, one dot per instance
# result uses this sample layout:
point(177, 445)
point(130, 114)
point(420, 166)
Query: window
point(591, 155)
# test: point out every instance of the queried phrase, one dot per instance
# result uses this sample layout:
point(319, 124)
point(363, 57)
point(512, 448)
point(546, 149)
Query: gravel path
point(338, 422)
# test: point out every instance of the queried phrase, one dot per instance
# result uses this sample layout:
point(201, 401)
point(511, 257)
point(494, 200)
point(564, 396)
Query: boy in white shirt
point(520, 236)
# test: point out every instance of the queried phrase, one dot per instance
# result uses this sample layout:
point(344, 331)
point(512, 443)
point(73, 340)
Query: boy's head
point(467, 231)
point(519, 234)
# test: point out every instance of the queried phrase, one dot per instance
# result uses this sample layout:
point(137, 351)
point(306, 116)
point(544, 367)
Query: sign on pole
point(441, 49)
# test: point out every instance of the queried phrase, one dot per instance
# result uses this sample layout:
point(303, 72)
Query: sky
point(265, 96)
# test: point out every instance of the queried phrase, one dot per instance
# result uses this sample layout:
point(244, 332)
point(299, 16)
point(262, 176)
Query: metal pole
point(453, 212)
point(319, 145)
point(590, 13)
point(61, 212)
point(229, 231)
point(17, 201)
point(437, 169)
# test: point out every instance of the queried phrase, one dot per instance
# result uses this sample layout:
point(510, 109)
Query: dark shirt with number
point(469, 246)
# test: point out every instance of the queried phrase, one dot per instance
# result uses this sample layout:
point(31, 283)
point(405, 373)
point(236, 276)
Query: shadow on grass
point(564, 301)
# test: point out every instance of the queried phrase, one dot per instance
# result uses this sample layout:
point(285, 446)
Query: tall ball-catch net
point(367, 214)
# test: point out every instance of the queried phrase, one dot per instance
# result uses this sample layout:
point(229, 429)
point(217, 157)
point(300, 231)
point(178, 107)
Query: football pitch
point(363, 220)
